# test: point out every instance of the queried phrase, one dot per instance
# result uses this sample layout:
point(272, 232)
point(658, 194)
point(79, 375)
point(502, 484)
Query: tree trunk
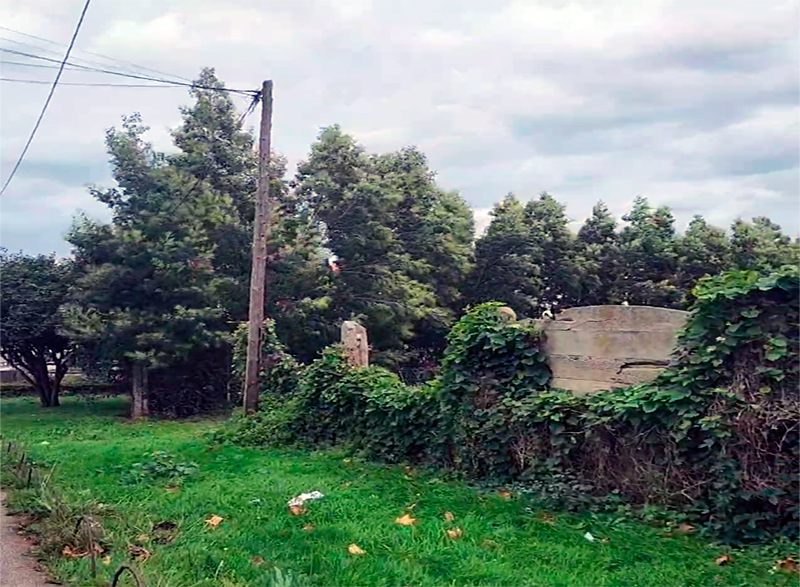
point(43, 383)
point(139, 392)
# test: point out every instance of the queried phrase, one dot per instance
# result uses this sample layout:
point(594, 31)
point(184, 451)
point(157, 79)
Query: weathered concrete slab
point(604, 347)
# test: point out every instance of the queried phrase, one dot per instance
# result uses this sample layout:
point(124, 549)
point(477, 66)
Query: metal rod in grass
point(121, 570)
point(89, 532)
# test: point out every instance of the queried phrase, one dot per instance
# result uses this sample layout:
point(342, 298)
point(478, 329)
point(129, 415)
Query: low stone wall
point(593, 348)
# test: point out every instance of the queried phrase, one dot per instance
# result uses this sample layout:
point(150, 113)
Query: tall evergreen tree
point(507, 265)
point(701, 250)
point(761, 246)
point(600, 258)
point(527, 258)
point(649, 258)
point(403, 244)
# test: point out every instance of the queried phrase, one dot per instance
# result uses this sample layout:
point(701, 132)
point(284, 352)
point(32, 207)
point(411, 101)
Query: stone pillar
point(356, 346)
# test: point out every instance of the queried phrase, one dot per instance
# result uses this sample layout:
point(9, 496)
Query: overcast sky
point(695, 105)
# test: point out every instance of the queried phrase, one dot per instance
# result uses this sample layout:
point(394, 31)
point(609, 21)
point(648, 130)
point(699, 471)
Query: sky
point(694, 105)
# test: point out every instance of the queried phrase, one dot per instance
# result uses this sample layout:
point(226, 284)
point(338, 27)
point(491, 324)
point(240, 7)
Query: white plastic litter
point(304, 497)
point(589, 537)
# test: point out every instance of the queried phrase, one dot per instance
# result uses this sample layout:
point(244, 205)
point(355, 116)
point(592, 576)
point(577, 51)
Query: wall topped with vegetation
point(715, 437)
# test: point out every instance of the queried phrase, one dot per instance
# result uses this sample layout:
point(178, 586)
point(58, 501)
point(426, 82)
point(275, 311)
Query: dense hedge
point(715, 437)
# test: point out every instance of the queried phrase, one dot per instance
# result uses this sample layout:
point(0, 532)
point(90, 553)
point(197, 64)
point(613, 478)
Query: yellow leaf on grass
point(214, 521)
point(354, 549)
point(309, 527)
point(70, 552)
point(142, 538)
point(297, 510)
point(138, 553)
point(172, 489)
point(546, 518)
point(106, 560)
point(788, 565)
point(724, 560)
point(455, 533)
point(448, 516)
point(406, 520)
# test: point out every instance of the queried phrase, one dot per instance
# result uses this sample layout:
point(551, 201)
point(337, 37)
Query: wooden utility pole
point(258, 274)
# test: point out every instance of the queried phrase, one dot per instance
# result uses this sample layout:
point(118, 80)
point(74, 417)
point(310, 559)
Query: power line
point(4, 63)
point(95, 54)
point(49, 97)
point(132, 76)
point(36, 81)
point(39, 50)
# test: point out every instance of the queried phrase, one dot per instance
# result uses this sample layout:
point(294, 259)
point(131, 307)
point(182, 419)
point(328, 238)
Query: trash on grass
point(301, 499)
point(589, 537)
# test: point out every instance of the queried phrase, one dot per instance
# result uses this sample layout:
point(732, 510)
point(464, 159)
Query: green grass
point(92, 447)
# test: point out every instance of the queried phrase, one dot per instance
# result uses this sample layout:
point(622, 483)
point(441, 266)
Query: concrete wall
point(603, 347)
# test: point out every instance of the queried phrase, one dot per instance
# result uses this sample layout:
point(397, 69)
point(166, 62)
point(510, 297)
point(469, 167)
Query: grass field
point(92, 450)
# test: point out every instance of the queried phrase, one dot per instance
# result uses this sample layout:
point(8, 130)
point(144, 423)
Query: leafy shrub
point(369, 408)
point(275, 424)
point(491, 362)
point(742, 335)
point(160, 467)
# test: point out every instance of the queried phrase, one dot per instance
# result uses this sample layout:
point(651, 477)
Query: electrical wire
point(141, 67)
point(49, 97)
point(132, 76)
point(36, 81)
point(4, 63)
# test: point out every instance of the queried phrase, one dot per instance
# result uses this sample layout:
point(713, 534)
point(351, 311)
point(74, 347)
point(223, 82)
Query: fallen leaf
point(505, 494)
point(257, 561)
point(172, 489)
point(547, 518)
point(214, 521)
point(724, 560)
point(486, 543)
point(347, 462)
point(788, 565)
point(165, 532)
point(449, 517)
point(309, 527)
point(142, 538)
point(406, 520)
point(354, 549)
point(106, 560)
point(605, 540)
point(455, 533)
point(685, 529)
point(297, 510)
point(138, 553)
point(70, 552)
